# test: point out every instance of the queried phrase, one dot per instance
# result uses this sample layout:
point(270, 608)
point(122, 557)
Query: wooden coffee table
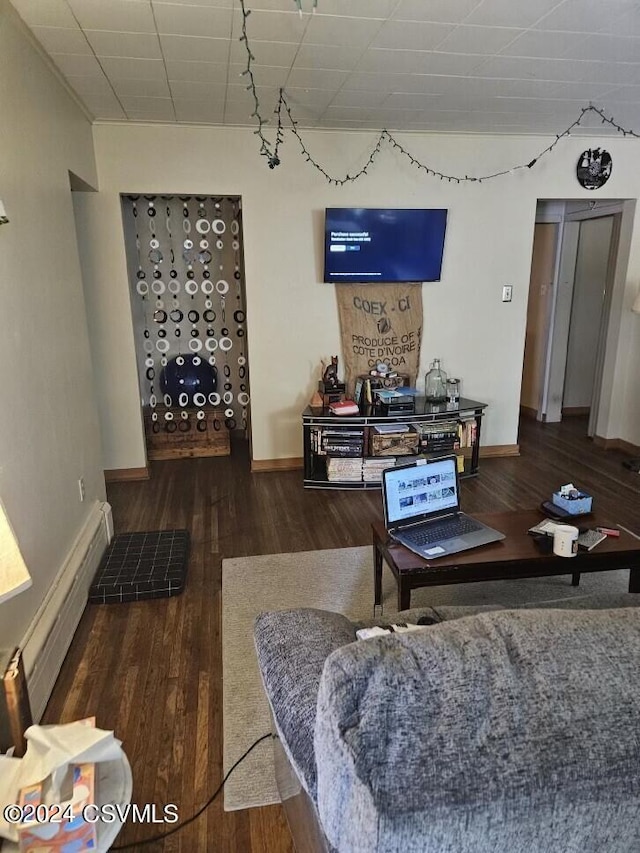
point(516, 556)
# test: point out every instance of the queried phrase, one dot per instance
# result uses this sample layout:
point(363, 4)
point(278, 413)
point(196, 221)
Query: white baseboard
point(51, 631)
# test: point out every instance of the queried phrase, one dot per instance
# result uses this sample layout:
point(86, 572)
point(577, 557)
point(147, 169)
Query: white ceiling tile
point(62, 40)
point(85, 86)
point(218, 4)
point(194, 49)
point(321, 79)
point(210, 22)
point(607, 48)
point(561, 70)
point(447, 11)
point(626, 23)
point(627, 94)
point(267, 95)
point(583, 16)
point(263, 75)
point(101, 104)
point(274, 53)
point(476, 39)
point(412, 101)
point(142, 69)
point(135, 45)
point(273, 26)
point(413, 35)
point(196, 111)
point(131, 87)
point(511, 13)
point(312, 98)
point(359, 98)
point(191, 90)
point(356, 8)
point(118, 15)
point(205, 72)
point(154, 109)
point(53, 13)
point(384, 83)
point(356, 32)
point(344, 113)
point(417, 62)
point(539, 43)
point(581, 91)
point(76, 65)
point(343, 57)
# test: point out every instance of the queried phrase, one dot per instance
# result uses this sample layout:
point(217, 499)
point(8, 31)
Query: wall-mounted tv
point(383, 244)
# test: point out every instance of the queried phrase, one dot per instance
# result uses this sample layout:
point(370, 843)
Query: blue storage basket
point(577, 506)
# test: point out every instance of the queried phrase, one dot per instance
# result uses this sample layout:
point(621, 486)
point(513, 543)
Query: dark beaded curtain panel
point(186, 274)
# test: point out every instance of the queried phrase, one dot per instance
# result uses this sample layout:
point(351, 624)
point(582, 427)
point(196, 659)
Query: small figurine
point(330, 376)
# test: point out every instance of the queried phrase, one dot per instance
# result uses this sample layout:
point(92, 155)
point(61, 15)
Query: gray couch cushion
point(499, 733)
point(292, 647)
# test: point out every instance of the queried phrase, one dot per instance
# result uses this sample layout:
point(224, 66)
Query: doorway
point(574, 258)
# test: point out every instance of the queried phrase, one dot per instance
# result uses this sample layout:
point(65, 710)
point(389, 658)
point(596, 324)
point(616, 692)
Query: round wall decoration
point(594, 168)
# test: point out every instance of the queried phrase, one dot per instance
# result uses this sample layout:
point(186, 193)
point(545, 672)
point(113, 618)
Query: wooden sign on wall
point(380, 322)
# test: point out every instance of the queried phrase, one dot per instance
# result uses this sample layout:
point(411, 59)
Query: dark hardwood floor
point(152, 670)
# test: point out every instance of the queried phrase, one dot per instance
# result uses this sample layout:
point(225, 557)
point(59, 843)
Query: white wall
point(49, 431)
point(292, 318)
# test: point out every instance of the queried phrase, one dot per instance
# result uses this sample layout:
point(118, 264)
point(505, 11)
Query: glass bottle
point(435, 383)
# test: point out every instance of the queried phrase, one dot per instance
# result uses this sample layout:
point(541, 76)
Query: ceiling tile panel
point(197, 112)
point(130, 87)
point(86, 86)
point(104, 107)
point(193, 89)
point(355, 32)
point(356, 8)
point(474, 39)
point(606, 48)
point(265, 53)
point(446, 11)
point(273, 26)
point(511, 13)
point(77, 65)
point(312, 98)
point(205, 21)
point(414, 35)
point(585, 16)
point(417, 62)
point(321, 79)
point(264, 75)
point(62, 40)
point(119, 15)
point(359, 98)
point(53, 13)
point(204, 72)
point(543, 44)
point(140, 69)
point(216, 4)
point(134, 45)
point(193, 49)
point(344, 57)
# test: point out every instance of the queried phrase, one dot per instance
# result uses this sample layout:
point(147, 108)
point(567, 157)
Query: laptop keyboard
point(439, 530)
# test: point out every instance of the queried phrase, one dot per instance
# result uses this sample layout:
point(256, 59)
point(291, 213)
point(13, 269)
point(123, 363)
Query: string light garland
point(272, 153)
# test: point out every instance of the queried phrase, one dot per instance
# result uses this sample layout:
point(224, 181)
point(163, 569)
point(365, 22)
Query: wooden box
point(181, 443)
point(393, 443)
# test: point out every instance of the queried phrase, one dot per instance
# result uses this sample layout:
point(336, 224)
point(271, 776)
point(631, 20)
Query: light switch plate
point(507, 292)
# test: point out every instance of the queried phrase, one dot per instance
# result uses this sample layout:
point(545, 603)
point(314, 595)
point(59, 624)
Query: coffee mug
point(565, 540)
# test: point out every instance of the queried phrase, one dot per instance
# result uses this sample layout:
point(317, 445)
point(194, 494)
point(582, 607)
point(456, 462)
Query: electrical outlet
point(81, 490)
point(507, 291)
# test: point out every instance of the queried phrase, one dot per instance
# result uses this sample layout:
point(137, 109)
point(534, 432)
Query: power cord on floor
point(184, 823)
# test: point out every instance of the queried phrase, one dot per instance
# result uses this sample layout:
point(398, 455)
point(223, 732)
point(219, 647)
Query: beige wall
point(49, 432)
point(292, 319)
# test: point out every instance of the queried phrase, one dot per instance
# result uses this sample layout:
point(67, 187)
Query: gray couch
point(491, 731)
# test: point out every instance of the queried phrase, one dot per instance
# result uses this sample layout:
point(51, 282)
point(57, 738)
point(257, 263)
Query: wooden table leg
point(634, 580)
point(404, 594)
point(377, 574)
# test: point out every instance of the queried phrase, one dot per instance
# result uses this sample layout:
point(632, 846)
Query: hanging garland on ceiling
point(272, 152)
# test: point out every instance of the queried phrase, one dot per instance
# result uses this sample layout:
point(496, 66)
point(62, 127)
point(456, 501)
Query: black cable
point(175, 829)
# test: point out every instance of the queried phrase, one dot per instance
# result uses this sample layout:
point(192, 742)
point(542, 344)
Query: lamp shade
point(636, 305)
point(14, 575)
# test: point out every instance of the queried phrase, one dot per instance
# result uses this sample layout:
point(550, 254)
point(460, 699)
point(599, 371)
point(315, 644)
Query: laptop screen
point(417, 491)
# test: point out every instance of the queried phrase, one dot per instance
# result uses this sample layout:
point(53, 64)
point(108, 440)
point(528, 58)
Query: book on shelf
point(386, 429)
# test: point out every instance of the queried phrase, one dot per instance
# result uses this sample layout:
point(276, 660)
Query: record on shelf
point(594, 168)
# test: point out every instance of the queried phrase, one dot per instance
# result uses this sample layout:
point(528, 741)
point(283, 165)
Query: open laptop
point(422, 509)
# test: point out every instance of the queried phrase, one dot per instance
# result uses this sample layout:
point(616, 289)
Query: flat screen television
point(383, 244)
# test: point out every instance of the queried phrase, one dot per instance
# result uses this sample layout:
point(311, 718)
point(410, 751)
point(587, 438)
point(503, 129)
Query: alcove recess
point(186, 284)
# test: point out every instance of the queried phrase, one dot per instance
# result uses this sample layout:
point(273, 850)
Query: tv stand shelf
point(319, 424)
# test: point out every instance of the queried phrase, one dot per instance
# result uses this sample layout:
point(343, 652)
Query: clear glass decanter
point(435, 383)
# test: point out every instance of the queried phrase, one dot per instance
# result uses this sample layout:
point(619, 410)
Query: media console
point(347, 452)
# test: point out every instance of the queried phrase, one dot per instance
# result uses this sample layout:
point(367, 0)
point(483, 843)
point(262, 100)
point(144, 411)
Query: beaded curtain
point(188, 304)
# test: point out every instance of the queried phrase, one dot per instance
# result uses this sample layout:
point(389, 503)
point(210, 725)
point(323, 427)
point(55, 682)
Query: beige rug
point(340, 580)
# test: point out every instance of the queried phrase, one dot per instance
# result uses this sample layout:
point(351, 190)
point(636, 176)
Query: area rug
point(339, 580)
